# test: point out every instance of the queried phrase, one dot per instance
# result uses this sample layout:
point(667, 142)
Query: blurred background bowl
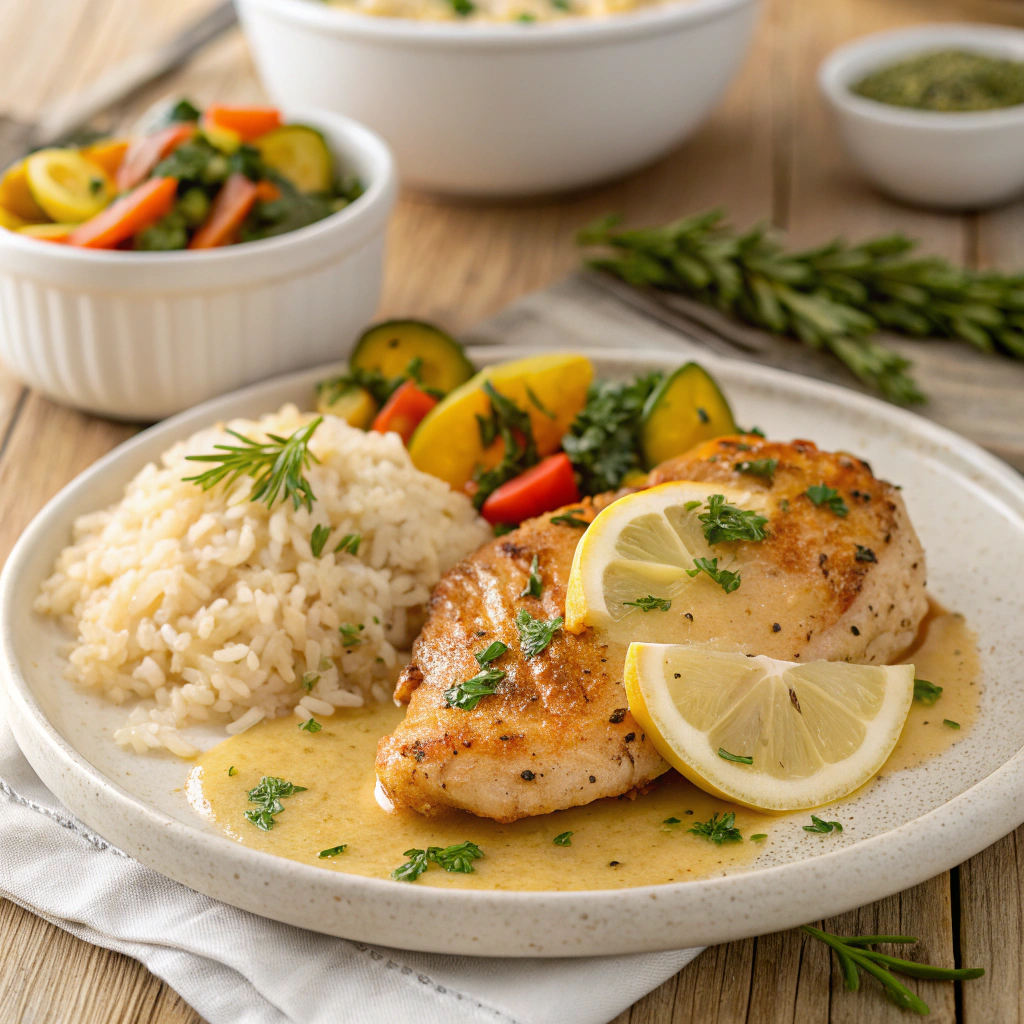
point(489, 109)
point(143, 335)
point(954, 160)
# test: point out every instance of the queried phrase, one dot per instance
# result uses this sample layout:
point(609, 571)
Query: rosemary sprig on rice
point(276, 466)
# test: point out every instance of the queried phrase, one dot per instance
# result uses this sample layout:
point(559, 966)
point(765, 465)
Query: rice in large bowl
point(206, 606)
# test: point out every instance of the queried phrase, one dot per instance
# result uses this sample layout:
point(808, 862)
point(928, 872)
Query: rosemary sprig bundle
point(275, 465)
point(832, 298)
point(854, 955)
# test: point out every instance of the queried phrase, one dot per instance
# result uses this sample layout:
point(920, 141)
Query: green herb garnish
point(951, 723)
point(535, 634)
point(466, 695)
point(717, 830)
point(491, 652)
point(310, 725)
point(417, 863)
point(501, 529)
point(456, 858)
point(350, 633)
point(563, 839)
point(824, 827)
point(333, 851)
point(570, 518)
point(309, 680)
point(513, 426)
point(864, 554)
point(827, 496)
point(759, 837)
point(276, 466)
point(738, 758)
point(232, 771)
point(318, 539)
point(349, 543)
point(853, 955)
point(927, 693)
point(534, 585)
point(728, 581)
point(724, 522)
point(267, 795)
point(764, 468)
point(650, 603)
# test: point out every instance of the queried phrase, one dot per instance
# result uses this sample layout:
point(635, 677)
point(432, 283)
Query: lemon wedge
point(772, 735)
point(644, 546)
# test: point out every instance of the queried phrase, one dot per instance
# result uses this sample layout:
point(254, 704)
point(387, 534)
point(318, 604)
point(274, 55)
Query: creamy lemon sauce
point(491, 10)
point(615, 843)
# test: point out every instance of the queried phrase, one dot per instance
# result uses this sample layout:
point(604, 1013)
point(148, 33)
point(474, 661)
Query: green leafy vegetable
point(492, 652)
point(827, 496)
point(417, 863)
point(534, 585)
point(717, 829)
point(854, 956)
point(275, 465)
point(456, 858)
point(724, 522)
point(650, 603)
point(927, 693)
point(466, 695)
point(728, 581)
point(183, 110)
point(513, 426)
point(333, 851)
point(535, 634)
point(738, 758)
point(318, 539)
point(310, 725)
point(824, 827)
point(267, 795)
point(563, 839)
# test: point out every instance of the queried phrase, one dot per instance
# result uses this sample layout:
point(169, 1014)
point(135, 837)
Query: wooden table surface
point(768, 153)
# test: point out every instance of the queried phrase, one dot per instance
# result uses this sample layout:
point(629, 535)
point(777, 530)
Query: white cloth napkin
point(236, 968)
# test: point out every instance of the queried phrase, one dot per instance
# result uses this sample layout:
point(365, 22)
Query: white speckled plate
point(969, 510)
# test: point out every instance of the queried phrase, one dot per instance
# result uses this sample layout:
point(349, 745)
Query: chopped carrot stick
point(127, 216)
point(229, 210)
point(249, 122)
point(147, 151)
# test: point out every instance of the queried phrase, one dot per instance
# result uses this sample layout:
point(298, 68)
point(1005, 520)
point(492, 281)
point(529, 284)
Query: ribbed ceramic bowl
point(501, 109)
point(140, 336)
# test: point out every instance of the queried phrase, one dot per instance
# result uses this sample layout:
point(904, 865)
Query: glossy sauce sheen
point(615, 843)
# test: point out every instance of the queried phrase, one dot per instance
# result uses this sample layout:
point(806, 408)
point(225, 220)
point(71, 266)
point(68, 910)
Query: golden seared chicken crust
point(558, 732)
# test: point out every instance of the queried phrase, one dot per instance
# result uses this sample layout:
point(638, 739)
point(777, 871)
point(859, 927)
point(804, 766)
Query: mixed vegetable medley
point(525, 437)
point(199, 180)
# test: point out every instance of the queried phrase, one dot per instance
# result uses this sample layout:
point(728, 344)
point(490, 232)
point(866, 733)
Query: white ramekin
point(140, 336)
point(965, 160)
point(507, 109)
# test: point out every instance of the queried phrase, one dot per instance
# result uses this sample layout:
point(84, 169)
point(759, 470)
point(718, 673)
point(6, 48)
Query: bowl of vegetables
point(140, 276)
point(524, 437)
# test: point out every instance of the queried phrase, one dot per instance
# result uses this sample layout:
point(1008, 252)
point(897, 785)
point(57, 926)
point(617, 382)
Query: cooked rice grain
point(210, 607)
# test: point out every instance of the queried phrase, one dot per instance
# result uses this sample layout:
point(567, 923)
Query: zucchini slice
point(686, 408)
point(393, 347)
point(299, 154)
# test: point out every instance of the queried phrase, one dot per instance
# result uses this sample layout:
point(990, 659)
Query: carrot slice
point(267, 191)
point(127, 216)
point(547, 486)
point(403, 411)
point(146, 152)
point(230, 208)
point(249, 122)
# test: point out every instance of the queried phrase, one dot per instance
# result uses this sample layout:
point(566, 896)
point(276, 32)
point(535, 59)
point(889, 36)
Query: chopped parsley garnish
point(827, 496)
point(275, 465)
point(310, 725)
point(500, 529)
point(350, 633)
point(570, 518)
point(759, 837)
point(463, 7)
point(724, 522)
point(538, 404)
point(650, 603)
point(492, 652)
point(309, 680)
point(764, 468)
point(333, 851)
point(319, 539)
point(951, 723)
point(513, 426)
point(603, 442)
point(535, 634)
point(927, 693)
point(717, 830)
point(456, 858)
point(864, 554)
point(563, 839)
point(534, 585)
point(691, 505)
point(824, 827)
point(466, 695)
point(349, 543)
point(738, 758)
point(267, 795)
point(232, 770)
point(728, 581)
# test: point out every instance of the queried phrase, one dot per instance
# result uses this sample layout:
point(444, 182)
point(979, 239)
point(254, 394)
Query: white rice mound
point(210, 607)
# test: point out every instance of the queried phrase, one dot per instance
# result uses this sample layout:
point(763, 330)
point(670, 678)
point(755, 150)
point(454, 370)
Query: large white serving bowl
point(507, 109)
point(907, 826)
point(142, 335)
point(950, 160)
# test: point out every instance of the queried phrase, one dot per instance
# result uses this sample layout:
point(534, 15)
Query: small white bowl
point(965, 160)
point(140, 336)
point(486, 109)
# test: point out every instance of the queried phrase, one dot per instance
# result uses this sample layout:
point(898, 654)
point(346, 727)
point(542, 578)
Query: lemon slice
point(812, 733)
point(641, 546)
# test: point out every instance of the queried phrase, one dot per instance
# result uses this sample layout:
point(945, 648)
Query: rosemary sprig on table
point(834, 297)
point(275, 465)
point(854, 956)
